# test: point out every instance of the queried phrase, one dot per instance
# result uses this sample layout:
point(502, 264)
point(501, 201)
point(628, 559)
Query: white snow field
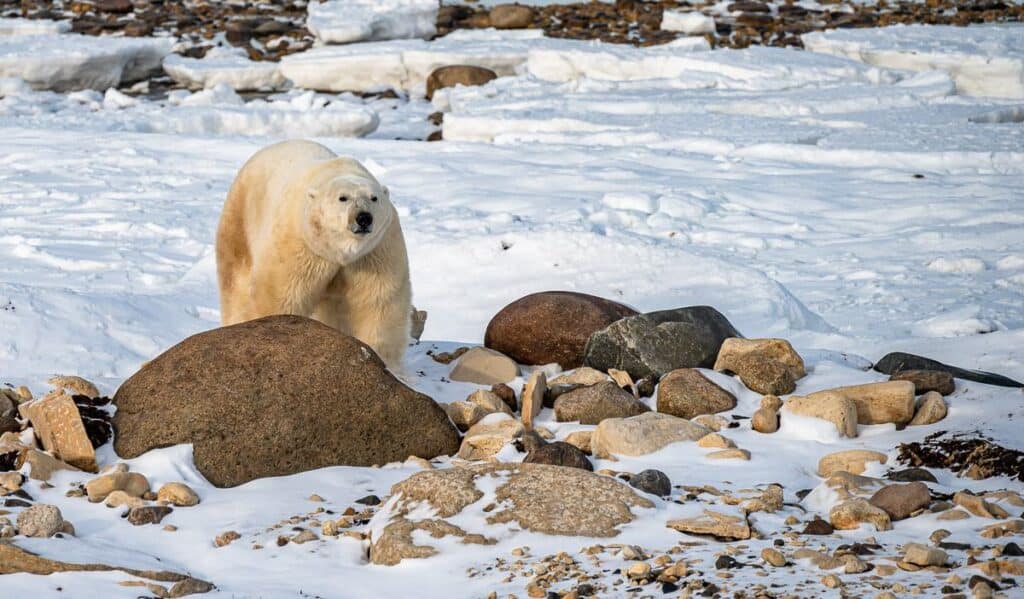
point(986, 60)
point(222, 65)
point(345, 21)
point(853, 209)
point(32, 27)
point(70, 61)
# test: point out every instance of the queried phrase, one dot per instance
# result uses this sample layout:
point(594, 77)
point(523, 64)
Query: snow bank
point(984, 60)
point(344, 21)
point(70, 62)
point(33, 27)
point(689, 22)
point(215, 111)
point(406, 64)
point(228, 66)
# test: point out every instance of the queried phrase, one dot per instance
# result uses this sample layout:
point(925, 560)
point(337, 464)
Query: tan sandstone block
point(58, 425)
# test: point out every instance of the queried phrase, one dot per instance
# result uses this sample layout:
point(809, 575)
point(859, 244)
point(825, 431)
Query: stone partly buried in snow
point(850, 514)
point(484, 367)
point(715, 524)
point(660, 342)
point(459, 74)
point(15, 560)
point(535, 497)
point(853, 461)
point(687, 393)
point(487, 437)
point(551, 326)
point(642, 434)
point(591, 405)
point(767, 366)
point(559, 453)
point(276, 396)
point(899, 361)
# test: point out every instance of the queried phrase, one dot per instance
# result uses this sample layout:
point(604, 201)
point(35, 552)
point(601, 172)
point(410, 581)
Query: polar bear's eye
point(373, 199)
point(343, 199)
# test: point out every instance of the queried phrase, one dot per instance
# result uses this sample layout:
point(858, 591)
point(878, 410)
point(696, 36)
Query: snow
point(67, 62)
point(32, 27)
point(688, 22)
point(216, 111)
point(851, 208)
point(345, 21)
point(406, 64)
point(228, 66)
point(984, 60)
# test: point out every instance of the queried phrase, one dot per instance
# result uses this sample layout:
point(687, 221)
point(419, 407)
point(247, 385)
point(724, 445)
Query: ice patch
point(957, 265)
point(1011, 262)
point(228, 66)
point(688, 22)
point(959, 322)
point(70, 62)
point(984, 60)
point(344, 21)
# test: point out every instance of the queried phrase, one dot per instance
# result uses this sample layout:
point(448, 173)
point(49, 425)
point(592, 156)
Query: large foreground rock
point(899, 361)
point(534, 497)
point(659, 342)
point(552, 326)
point(276, 396)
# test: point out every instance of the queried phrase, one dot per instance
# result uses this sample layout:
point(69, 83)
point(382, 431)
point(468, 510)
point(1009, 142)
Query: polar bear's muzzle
point(363, 224)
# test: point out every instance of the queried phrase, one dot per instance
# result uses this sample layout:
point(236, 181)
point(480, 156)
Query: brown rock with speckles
point(276, 396)
point(551, 326)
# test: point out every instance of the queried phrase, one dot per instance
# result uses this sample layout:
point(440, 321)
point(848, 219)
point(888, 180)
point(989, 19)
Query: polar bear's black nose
point(364, 219)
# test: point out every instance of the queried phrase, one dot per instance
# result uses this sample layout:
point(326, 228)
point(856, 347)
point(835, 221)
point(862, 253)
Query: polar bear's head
point(347, 216)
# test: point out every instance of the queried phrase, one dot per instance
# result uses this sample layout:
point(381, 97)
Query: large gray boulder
point(659, 342)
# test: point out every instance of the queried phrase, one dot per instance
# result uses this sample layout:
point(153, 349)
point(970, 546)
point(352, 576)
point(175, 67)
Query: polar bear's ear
point(387, 192)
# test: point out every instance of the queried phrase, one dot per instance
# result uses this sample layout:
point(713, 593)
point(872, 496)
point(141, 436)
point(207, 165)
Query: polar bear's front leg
point(385, 328)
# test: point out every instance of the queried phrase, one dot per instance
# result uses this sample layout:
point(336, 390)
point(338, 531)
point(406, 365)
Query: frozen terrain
point(852, 208)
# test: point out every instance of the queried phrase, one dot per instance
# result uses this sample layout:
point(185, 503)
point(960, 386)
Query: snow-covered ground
point(853, 209)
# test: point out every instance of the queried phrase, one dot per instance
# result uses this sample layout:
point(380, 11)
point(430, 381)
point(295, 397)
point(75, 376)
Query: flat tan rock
point(484, 367)
point(58, 425)
point(532, 398)
point(716, 524)
point(643, 434)
point(729, 454)
point(43, 465)
point(486, 438)
point(852, 513)
point(878, 403)
point(584, 375)
point(977, 505)
point(489, 401)
point(464, 414)
point(768, 366)
point(715, 441)
point(132, 483)
point(75, 384)
point(834, 407)
point(580, 440)
point(853, 461)
point(923, 555)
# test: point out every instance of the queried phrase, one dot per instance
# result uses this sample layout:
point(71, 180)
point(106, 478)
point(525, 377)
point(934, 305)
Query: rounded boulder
point(551, 326)
point(276, 396)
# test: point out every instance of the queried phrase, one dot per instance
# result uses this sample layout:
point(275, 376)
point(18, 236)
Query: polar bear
point(307, 232)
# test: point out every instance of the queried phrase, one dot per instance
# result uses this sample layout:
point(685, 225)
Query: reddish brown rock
point(551, 326)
